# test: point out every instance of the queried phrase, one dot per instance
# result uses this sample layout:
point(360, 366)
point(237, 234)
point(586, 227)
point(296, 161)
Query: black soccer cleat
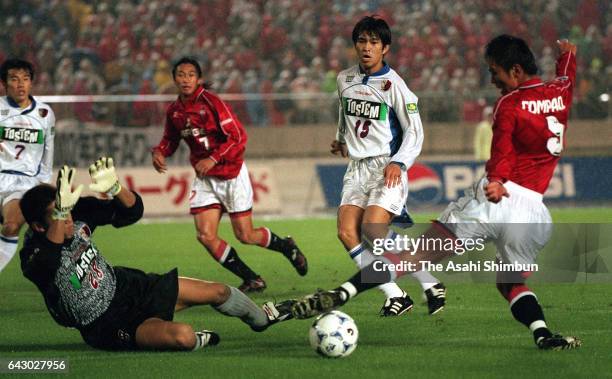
point(317, 303)
point(207, 338)
point(296, 257)
point(436, 298)
point(253, 285)
point(558, 342)
point(276, 312)
point(395, 306)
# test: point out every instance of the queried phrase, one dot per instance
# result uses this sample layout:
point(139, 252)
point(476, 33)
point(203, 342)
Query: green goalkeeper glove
point(104, 178)
point(65, 197)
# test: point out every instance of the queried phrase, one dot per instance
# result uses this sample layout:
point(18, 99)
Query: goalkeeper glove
point(104, 178)
point(65, 197)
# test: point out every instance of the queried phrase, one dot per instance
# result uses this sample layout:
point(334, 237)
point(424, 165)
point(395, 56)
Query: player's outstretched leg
point(526, 310)
point(324, 301)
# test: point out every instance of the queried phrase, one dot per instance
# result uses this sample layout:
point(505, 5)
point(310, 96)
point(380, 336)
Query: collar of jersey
point(191, 99)
point(534, 82)
point(385, 69)
point(13, 104)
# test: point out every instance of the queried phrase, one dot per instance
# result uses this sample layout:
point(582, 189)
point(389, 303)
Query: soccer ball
point(334, 334)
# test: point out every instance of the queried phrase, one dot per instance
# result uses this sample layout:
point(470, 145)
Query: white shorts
point(12, 187)
point(234, 196)
point(519, 225)
point(364, 185)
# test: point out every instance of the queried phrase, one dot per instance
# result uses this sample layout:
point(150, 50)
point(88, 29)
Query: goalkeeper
point(115, 308)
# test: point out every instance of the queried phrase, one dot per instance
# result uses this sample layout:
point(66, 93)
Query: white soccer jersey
point(378, 116)
point(26, 136)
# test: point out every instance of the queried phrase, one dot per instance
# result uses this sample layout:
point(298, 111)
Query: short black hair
point(187, 60)
point(35, 201)
point(373, 25)
point(506, 51)
point(15, 63)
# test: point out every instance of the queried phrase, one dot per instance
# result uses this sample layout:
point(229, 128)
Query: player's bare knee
point(221, 292)
point(10, 229)
point(184, 336)
point(245, 237)
point(348, 237)
point(206, 238)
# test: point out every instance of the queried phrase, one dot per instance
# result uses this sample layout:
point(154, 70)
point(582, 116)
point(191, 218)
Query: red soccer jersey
point(210, 129)
point(528, 129)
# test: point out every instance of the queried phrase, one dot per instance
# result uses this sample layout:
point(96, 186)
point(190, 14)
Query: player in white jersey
point(380, 129)
point(26, 148)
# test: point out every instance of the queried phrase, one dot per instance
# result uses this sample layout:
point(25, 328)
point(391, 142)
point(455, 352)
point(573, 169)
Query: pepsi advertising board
point(438, 183)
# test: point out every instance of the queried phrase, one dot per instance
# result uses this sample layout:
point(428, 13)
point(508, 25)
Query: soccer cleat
point(317, 303)
point(558, 342)
point(207, 338)
point(276, 312)
point(296, 257)
point(395, 306)
point(436, 298)
point(253, 285)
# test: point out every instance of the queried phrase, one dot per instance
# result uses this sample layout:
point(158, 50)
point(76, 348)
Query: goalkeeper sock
point(362, 256)
point(227, 256)
point(239, 305)
point(8, 247)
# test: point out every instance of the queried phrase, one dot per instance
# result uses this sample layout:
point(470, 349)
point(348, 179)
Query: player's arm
point(339, 144)
point(500, 165)
point(405, 104)
point(126, 207)
point(566, 62)
point(566, 69)
point(167, 146)
point(46, 167)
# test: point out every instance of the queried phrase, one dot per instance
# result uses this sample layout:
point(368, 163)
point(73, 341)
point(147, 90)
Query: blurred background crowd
point(293, 47)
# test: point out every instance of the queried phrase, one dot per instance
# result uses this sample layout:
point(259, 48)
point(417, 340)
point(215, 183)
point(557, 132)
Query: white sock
point(425, 278)
point(350, 289)
point(240, 305)
point(8, 247)
point(363, 257)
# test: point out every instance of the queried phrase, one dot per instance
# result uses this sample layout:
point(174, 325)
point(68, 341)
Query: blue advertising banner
point(433, 183)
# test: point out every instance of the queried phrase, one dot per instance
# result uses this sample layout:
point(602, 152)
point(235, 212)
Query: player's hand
point(159, 161)
point(65, 197)
point(393, 175)
point(339, 147)
point(203, 166)
point(495, 191)
point(565, 46)
point(103, 177)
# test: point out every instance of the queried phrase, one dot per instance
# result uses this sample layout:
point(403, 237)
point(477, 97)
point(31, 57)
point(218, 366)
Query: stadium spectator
point(292, 33)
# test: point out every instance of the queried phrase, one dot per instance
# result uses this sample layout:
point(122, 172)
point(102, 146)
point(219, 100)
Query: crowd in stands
point(293, 47)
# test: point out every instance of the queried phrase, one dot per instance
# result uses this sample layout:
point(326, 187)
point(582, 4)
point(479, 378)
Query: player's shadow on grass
point(42, 347)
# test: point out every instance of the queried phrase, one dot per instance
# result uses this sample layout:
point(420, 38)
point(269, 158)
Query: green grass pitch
point(475, 336)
